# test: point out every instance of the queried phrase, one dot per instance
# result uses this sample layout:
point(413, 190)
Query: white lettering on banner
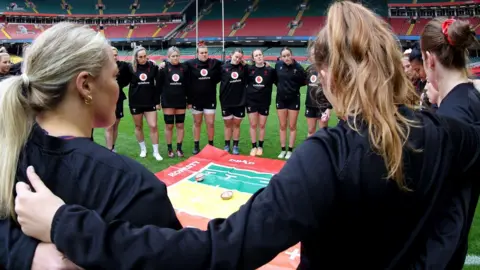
point(294, 254)
point(184, 169)
point(242, 161)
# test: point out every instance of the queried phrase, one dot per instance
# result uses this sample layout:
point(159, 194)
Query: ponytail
point(16, 120)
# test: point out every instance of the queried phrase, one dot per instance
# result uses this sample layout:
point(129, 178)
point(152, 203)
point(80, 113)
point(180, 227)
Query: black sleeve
point(299, 197)
point(160, 81)
point(187, 82)
point(124, 75)
point(149, 195)
point(18, 249)
point(302, 77)
point(218, 65)
point(467, 143)
point(275, 76)
point(158, 86)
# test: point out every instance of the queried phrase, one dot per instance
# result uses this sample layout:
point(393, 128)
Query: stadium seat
point(116, 6)
point(400, 26)
point(83, 6)
point(150, 6)
point(50, 6)
point(116, 31)
point(418, 28)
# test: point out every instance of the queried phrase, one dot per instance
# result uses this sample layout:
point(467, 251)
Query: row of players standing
point(174, 87)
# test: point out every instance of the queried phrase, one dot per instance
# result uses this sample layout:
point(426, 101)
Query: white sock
point(142, 146)
point(155, 148)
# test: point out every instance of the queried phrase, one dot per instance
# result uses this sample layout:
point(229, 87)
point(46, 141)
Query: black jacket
point(290, 79)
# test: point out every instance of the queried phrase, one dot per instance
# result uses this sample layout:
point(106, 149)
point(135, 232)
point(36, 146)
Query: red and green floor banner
point(198, 202)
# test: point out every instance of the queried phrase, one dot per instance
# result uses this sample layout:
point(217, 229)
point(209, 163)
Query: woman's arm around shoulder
point(293, 205)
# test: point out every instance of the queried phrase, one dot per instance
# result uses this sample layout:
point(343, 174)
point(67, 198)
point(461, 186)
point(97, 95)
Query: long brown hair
point(367, 80)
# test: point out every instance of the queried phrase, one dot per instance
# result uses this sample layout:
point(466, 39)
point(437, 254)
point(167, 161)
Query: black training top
point(340, 196)
point(204, 77)
point(315, 98)
point(83, 172)
point(144, 91)
point(449, 239)
point(260, 82)
point(174, 84)
point(232, 85)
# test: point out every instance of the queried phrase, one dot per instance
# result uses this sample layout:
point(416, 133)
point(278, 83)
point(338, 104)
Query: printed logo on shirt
point(175, 79)
point(143, 77)
point(204, 72)
point(234, 75)
point(258, 79)
point(313, 81)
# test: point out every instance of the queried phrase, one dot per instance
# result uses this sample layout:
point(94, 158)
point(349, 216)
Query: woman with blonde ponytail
point(375, 181)
point(68, 87)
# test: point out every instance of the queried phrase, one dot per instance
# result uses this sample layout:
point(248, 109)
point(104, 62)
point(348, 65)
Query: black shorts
point(289, 104)
point(141, 110)
point(258, 109)
point(313, 112)
point(237, 112)
point(208, 108)
point(119, 110)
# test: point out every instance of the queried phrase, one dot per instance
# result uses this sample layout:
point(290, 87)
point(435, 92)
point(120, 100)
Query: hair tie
point(25, 84)
point(445, 25)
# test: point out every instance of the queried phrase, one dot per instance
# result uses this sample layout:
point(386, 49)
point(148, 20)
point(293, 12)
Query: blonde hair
point(367, 79)
point(171, 50)
point(53, 60)
point(114, 49)
point(4, 55)
point(135, 54)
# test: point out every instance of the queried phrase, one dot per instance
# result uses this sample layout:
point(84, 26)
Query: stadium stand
point(93, 6)
point(244, 20)
point(14, 31)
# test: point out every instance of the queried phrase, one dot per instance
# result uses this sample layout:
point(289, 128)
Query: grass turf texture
point(127, 145)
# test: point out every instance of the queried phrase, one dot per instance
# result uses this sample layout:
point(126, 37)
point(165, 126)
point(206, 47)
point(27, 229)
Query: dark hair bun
point(461, 34)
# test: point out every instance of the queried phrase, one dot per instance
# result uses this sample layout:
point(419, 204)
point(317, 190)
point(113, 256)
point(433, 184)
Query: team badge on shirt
point(313, 78)
point(204, 72)
point(258, 79)
point(234, 75)
point(175, 77)
point(143, 77)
